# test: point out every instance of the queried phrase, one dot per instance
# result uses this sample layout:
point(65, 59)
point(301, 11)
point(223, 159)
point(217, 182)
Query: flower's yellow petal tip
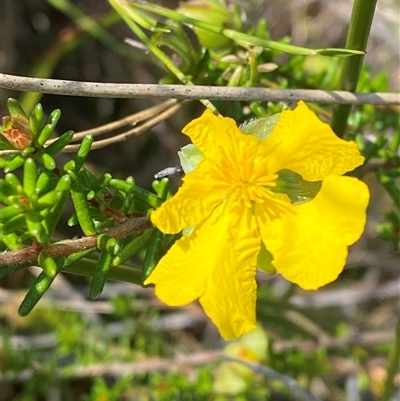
point(233, 331)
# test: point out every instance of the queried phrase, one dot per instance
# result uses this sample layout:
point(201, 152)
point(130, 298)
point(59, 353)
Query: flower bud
point(213, 12)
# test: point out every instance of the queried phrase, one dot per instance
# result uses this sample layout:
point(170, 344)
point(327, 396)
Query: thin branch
point(111, 90)
point(68, 247)
point(287, 381)
point(117, 369)
point(156, 118)
point(132, 119)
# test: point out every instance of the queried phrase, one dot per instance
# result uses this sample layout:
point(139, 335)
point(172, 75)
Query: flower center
point(254, 192)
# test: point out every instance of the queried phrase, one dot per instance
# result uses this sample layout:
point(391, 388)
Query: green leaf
point(38, 110)
point(131, 246)
point(190, 157)
point(15, 163)
point(83, 151)
point(60, 143)
point(391, 184)
point(47, 263)
point(46, 160)
point(124, 186)
point(49, 127)
point(298, 190)
point(9, 212)
point(13, 224)
point(50, 222)
point(78, 194)
point(332, 52)
point(30, 177)
point(49, 199)
point(39, 287)
point(100, 273)
point(14, 181)
point(152, 253)
point(46, 181)
point(35, 227)
point(161, 187)
point(33, 125)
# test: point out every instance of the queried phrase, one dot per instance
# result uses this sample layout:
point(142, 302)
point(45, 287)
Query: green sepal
point(60, 143)
point(100, 274)
point(13, 224)
point(47, 263)
point(131, 245)
point(264, 260)
point(39, 287)
point(83, 151)
point(78, 195)
point(4, 145)
point(15, 108)
point(260, 127)
point(30, 176)
point(15, 163)
point(48, 129)
point(298, 190)
point(189, 157)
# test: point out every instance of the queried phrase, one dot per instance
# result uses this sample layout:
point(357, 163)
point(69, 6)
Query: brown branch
point(112, 90)
point(68, 247)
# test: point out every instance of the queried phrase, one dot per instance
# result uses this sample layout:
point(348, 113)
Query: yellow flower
point(230, 201)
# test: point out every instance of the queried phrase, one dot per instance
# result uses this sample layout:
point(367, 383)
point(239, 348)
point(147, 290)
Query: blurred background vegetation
point(127, 345)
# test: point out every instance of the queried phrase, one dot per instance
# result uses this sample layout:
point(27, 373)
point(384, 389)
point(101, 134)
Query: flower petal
point(212, 135)
point(309, 242)
point(216, 264)
point(301, 142)
point(194, 201)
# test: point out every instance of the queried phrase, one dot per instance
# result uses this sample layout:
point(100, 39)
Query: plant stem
point(86, 267)
point(123, 11)
point(357, 38)
point(393, 366)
